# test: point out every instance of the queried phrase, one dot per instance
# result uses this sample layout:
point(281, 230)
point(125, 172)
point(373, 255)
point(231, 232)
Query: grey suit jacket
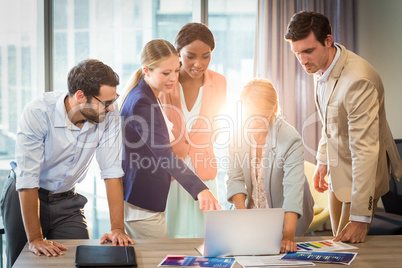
point(286, 185)
point(356, 140)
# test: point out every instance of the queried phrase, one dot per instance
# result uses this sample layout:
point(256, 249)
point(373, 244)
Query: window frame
point(200, 14)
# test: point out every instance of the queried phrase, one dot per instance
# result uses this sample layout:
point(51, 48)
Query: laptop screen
point(243, 232)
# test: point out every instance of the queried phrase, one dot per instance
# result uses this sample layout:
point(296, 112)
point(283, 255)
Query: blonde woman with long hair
point(266, 168)
point(148, 161)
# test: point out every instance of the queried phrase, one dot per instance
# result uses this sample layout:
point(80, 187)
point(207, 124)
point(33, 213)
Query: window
point(21, 76)
point(111, 31)
point(233, 26)
point(115, 33)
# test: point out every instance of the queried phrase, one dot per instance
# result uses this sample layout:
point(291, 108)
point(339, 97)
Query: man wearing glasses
point(58, 135)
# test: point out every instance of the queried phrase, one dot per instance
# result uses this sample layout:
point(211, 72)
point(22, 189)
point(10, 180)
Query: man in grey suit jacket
point(356, 148)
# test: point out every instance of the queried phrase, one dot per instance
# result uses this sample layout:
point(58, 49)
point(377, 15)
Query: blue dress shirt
point(54, 154)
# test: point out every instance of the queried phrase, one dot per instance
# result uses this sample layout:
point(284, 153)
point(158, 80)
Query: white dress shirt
point(54, 154)
point(322, 79)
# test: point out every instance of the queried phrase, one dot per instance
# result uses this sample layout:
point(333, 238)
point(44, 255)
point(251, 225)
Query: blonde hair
point(152, 54)
point(259, 97)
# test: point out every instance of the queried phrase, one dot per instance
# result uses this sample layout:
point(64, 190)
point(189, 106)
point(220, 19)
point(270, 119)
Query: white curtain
point(274, 60)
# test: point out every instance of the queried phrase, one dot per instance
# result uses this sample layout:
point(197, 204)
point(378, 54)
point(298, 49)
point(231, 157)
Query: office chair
point(390, 221)
point(321, 208)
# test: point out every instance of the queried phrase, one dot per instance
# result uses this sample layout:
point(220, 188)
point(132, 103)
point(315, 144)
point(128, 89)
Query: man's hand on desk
point(354, 232)
point(46, 247)
point(117, 237)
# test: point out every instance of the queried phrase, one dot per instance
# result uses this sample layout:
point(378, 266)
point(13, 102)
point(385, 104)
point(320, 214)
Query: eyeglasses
point(107, 103)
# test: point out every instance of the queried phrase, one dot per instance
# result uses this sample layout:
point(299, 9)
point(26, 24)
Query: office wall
point(379, 40)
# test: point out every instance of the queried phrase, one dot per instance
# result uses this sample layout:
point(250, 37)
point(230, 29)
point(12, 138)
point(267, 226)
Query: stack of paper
point(267, 261)
point(307, 253)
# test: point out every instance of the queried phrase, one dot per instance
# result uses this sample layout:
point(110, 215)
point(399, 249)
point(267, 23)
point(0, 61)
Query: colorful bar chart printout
point(323, 246)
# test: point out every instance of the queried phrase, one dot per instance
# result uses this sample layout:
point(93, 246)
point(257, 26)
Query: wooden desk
point(377, 251)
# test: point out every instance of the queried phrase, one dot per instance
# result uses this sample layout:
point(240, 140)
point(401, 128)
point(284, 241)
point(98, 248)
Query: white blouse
point(190, 117)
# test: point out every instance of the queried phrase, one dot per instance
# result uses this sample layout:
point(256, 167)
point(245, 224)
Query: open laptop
point(243, 232)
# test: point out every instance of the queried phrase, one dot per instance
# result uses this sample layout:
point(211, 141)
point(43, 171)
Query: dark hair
point(305, 22)
point(194, 31)
point(89, 75)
